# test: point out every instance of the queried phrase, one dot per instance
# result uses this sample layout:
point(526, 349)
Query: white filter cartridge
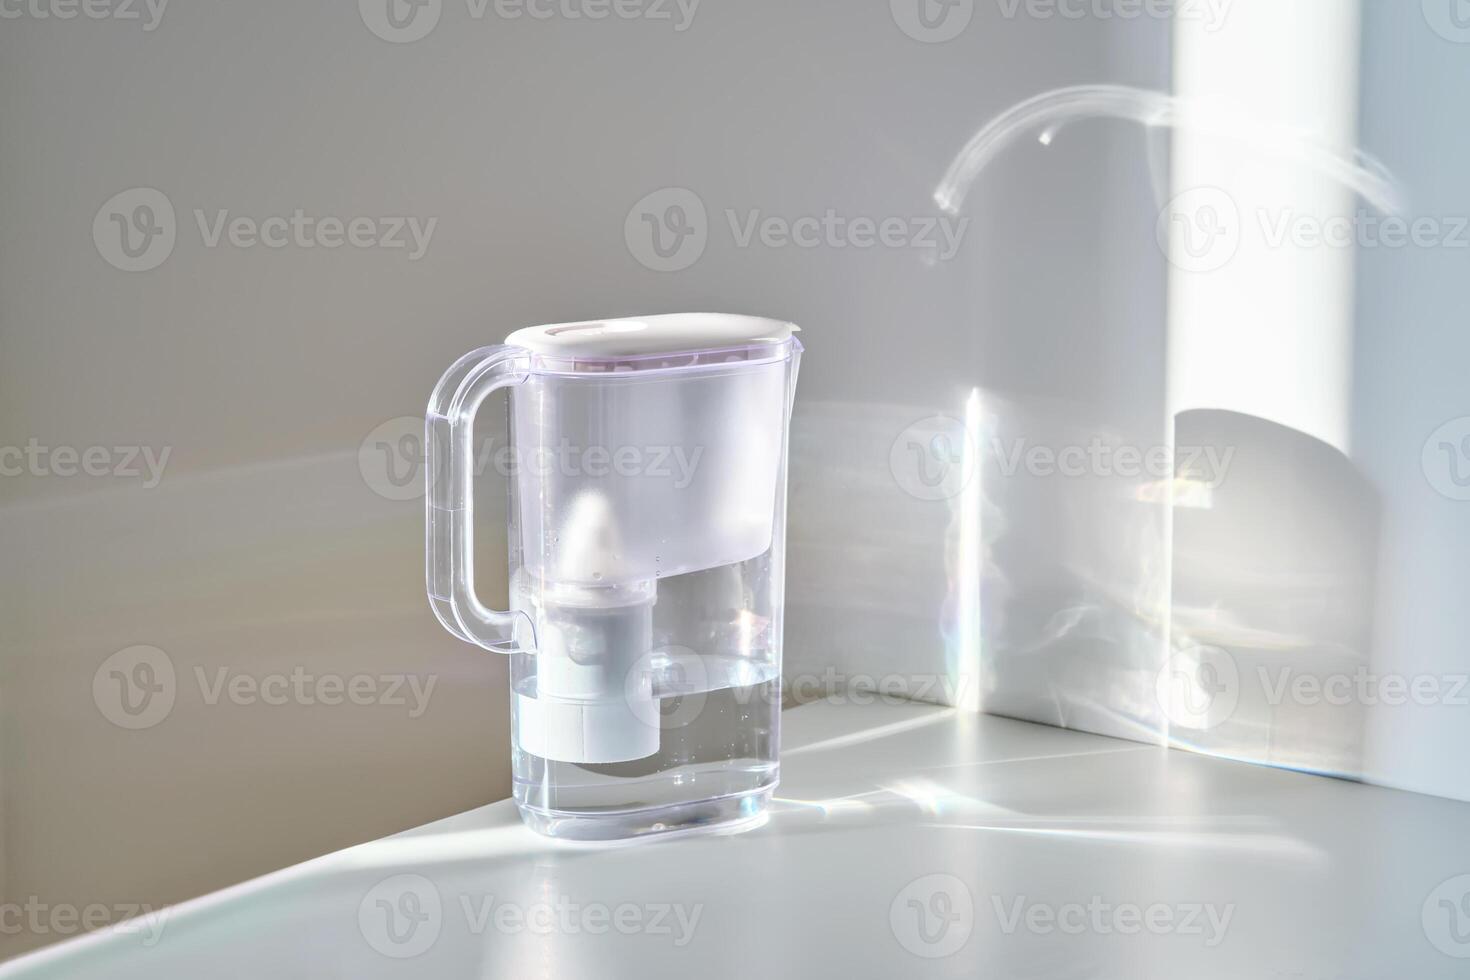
point(592, 734)
point(594, 703)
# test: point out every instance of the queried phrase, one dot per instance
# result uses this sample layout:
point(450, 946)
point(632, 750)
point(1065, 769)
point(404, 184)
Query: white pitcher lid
point(678, 333)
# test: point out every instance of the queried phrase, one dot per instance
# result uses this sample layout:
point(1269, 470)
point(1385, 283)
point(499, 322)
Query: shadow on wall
point(1021, 556)
point(1274, 589)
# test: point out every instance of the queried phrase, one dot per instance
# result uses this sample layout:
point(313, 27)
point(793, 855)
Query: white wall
point(1410, 390)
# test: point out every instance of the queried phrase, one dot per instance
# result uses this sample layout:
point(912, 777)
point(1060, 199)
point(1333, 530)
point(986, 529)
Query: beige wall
point(243, 575)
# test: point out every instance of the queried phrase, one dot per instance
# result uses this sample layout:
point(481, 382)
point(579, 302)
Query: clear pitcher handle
point(450, 473)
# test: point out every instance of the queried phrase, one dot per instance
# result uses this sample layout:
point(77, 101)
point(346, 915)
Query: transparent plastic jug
point(647, 563)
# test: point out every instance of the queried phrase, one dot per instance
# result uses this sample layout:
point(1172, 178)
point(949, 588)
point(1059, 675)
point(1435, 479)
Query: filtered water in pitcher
point(647, 557)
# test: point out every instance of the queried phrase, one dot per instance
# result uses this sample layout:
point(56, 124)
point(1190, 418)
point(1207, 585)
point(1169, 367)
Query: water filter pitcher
point(646, 563)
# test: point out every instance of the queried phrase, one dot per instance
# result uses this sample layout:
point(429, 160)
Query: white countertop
point(906, 841)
